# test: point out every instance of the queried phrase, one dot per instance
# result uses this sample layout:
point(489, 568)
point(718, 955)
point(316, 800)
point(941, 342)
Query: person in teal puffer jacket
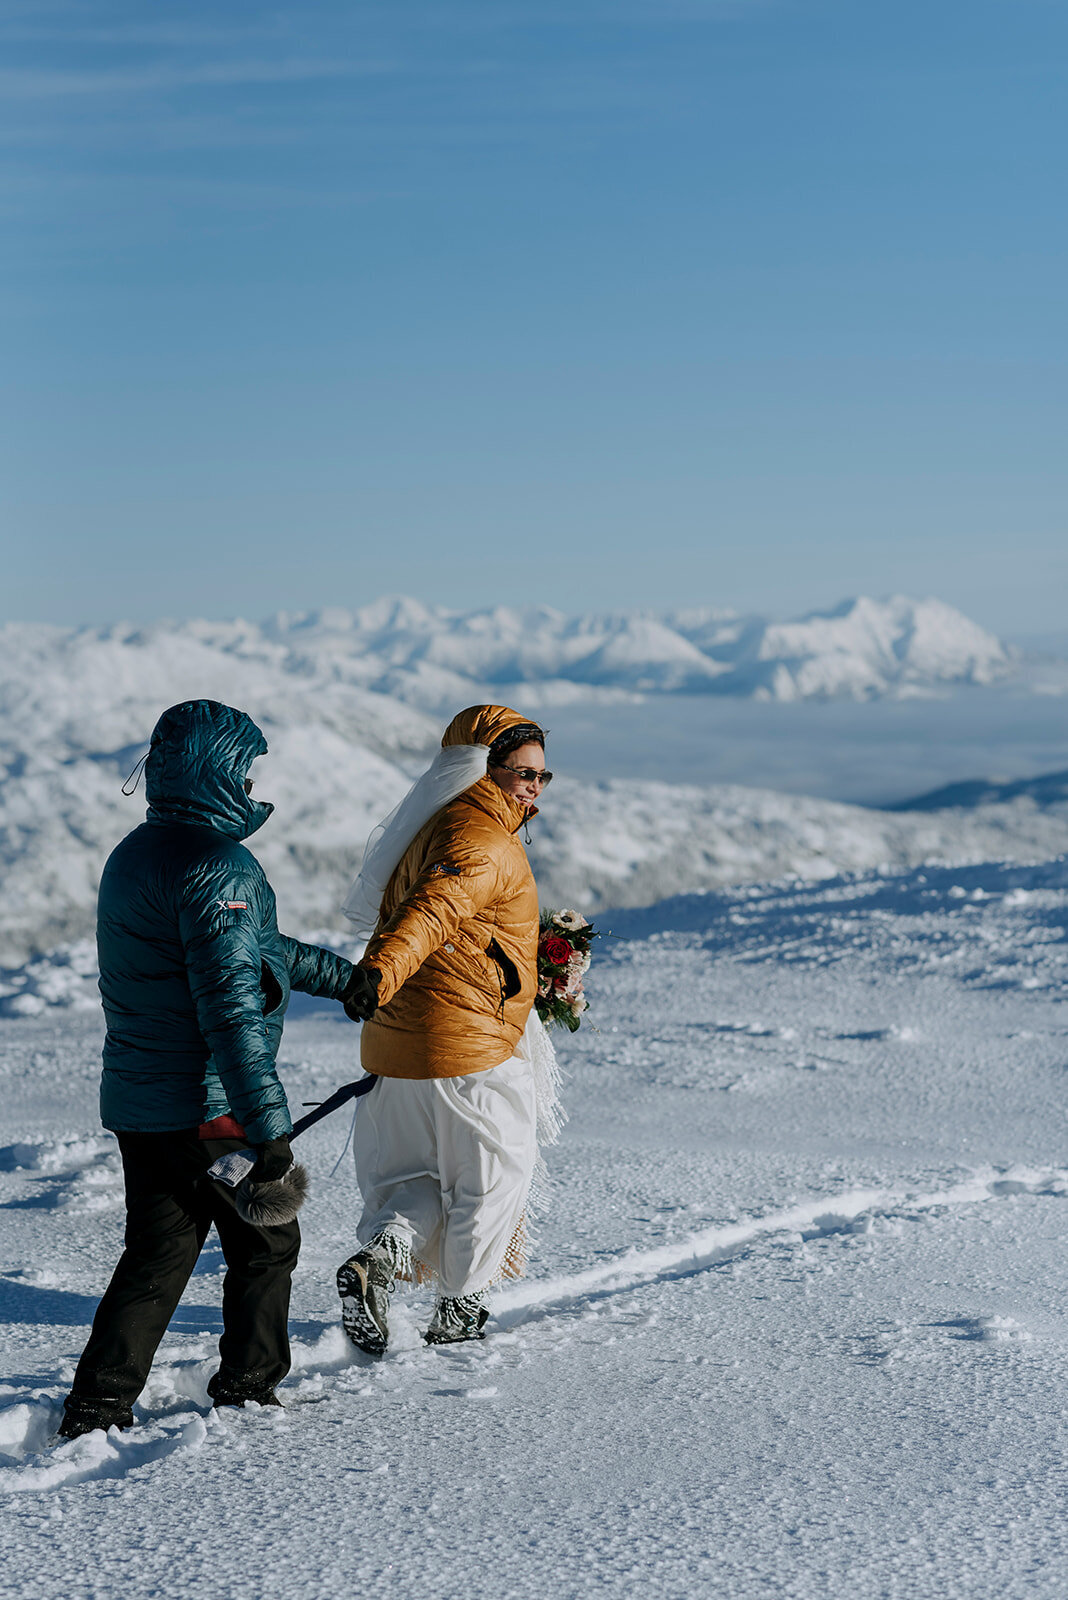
point(195, 978)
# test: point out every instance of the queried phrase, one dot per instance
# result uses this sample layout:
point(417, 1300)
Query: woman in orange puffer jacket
point(445, 1145)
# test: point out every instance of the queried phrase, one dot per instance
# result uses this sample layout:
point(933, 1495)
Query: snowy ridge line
point(710, 1246)
point(429, 655)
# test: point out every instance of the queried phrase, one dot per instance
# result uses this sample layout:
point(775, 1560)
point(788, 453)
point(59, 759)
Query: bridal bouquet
point(563, 958)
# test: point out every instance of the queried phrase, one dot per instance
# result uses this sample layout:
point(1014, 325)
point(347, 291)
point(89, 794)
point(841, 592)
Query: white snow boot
point(455, 1320)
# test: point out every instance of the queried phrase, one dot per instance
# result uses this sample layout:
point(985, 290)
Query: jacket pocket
point(511, 983)
point(274, 996)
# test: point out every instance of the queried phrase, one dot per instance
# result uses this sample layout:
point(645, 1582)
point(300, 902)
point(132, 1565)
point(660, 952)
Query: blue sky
point(644, 303)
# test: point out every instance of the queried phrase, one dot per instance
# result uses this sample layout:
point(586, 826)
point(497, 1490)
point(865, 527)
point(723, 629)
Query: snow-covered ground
point(795, 1326)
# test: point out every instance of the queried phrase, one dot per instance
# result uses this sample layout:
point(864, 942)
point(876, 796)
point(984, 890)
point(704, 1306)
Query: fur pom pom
point(268, 1205)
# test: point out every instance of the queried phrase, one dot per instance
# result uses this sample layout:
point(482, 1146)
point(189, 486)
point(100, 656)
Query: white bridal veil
point(452, 770)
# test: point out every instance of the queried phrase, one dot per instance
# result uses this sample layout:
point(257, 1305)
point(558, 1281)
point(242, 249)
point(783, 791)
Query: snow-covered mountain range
point(432, 657)
point(861, 649)
point(352, 702)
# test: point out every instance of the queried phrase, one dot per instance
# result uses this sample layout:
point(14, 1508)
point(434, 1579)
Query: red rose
point(556, 950)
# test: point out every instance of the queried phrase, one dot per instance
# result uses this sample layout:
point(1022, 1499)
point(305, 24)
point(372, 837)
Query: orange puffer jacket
point(457, 939)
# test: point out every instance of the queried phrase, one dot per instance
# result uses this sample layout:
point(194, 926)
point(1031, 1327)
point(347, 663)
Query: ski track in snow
point(850, 1211)
point(31, 1461)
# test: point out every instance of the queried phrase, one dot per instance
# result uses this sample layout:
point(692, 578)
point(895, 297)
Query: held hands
point(360, 994)
point(273, 1160)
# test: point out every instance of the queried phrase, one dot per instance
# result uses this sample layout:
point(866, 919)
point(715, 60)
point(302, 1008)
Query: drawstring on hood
point(130, 785)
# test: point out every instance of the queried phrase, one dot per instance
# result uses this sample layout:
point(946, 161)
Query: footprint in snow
point(79, 1172)
point(986, 1330)
point(31, 1460)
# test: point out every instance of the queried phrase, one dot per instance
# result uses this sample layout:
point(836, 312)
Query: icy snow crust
point(795, 1326)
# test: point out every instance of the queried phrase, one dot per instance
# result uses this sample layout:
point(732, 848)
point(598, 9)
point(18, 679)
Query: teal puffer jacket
point(194, 974)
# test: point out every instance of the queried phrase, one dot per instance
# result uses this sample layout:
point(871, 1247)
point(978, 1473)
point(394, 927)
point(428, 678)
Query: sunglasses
point(528, 774)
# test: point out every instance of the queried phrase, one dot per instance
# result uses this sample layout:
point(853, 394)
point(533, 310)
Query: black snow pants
point(170, 1205)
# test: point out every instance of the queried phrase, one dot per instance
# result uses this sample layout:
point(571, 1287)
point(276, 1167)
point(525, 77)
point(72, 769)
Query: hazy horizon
point(1042, 641)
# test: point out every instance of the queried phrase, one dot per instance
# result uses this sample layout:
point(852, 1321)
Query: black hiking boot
point(365, 1283)
point(86, 1413)
point(230, 1388)
point(456, 1320)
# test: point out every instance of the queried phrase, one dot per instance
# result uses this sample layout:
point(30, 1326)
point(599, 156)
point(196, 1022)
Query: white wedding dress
point(446, 1166)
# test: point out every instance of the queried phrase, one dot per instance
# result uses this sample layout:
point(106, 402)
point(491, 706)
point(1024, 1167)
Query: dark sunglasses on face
point(248, 785)
point(528, 774)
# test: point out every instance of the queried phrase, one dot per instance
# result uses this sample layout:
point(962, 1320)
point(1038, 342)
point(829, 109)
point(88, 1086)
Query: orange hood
point(482, 724)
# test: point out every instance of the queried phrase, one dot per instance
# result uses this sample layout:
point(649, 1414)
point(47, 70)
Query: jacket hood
point(482, 724)
point(197, 764)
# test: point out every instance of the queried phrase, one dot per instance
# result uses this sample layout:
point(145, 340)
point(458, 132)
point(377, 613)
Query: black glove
point(360, 994)
point(273, 1160)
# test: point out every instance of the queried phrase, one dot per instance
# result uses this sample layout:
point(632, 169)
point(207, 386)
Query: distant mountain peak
point(429, 655)
point(344, 695)
point(860, 648)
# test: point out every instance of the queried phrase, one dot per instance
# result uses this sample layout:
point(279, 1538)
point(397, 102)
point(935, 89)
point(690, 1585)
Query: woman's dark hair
point(512, 738)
